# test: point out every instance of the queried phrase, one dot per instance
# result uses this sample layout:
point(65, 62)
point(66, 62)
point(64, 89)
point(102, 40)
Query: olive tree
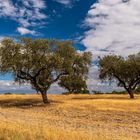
point(40, 62)
point(125, 71)
point(75, 81)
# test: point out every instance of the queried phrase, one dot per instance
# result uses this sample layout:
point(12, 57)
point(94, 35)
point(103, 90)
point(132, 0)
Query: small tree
point(40, 62)
point(75, 81)
point(125, 71)
point(73, 84)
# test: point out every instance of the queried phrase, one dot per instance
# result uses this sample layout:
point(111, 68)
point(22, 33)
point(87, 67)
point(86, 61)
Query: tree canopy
point(125, 71)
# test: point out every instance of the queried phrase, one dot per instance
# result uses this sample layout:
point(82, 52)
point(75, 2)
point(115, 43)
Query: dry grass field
point(69, 117)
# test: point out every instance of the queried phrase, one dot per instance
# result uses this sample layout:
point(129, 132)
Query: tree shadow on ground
point(25, 103)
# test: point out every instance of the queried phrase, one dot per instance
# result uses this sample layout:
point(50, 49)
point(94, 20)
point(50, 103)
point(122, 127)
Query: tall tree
point(40, 62)
point(125, 71)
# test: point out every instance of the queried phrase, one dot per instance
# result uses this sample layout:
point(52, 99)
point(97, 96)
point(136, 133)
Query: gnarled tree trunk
point(44, 97)
point(130, 92)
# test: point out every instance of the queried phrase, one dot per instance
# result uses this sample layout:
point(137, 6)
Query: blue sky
point(62, 21)
point(102, 27)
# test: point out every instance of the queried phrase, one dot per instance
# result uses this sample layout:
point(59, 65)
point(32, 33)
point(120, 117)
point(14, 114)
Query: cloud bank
point(114, 27)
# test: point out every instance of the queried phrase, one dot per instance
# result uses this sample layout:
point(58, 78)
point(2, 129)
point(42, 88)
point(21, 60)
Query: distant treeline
point(137, 91)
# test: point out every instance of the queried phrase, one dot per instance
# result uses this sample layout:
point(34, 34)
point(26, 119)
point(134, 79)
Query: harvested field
point(71, 117)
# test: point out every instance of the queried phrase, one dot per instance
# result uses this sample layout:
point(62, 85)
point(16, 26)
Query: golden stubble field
point(69, 117)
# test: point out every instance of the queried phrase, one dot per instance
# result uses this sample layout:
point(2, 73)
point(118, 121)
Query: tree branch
point(58, 77)
point(121, 81)
point(136, 83)
point(26, 76)
point(39, 71)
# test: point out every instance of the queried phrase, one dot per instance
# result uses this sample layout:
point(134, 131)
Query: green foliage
point(85, 91)
point(96, 92)
point(75, 81)
point(72, 84)
point(137, 90)
point(125, 71)
point(8, 93)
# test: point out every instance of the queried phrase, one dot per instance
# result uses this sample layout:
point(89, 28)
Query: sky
point(100, 26)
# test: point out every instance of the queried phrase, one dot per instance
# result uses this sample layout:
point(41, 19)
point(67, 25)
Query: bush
point(8, 93)
point(97, 92)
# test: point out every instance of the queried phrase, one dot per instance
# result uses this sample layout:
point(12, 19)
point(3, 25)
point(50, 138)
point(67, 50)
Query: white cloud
point(67, 3)
point(114, 27)
point(24, 31)
point(27, 13)
point(35, 3)
point(7, 8)
point(1, 38)
point(24, 22)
